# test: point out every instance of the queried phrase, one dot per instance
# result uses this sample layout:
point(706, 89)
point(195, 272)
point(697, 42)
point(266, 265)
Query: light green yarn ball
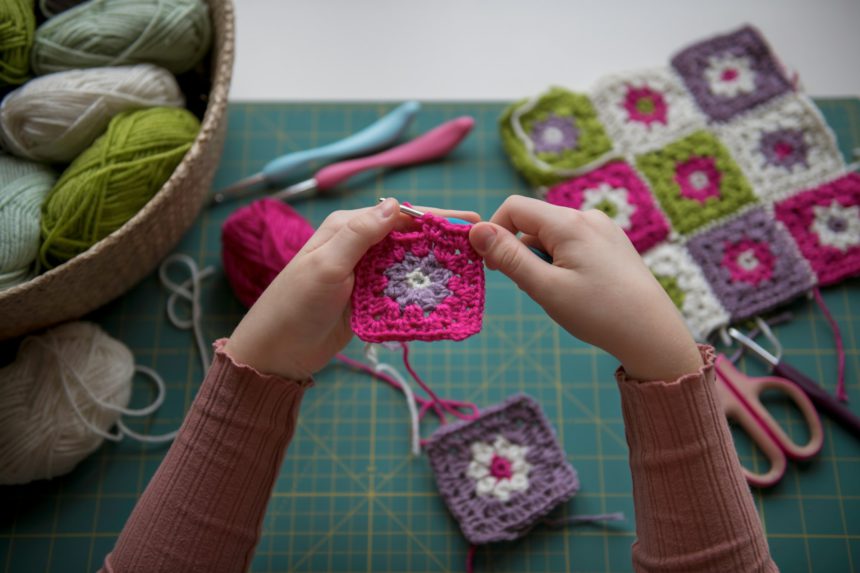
point(113, 179)
point(23, 188)
point(17, 26)
point(174, 34)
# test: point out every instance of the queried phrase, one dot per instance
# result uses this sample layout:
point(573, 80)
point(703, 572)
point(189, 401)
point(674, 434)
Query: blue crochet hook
point(277, 172)
point(416, 213)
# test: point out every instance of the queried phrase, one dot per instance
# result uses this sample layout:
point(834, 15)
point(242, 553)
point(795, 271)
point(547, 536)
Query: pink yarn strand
point(840, 348)
point(470, 559)
point(424, 403)
point(449, 406)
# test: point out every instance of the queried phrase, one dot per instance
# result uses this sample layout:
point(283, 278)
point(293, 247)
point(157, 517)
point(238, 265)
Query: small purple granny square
point(731, 74)
point(502, 472)
point(752, 263)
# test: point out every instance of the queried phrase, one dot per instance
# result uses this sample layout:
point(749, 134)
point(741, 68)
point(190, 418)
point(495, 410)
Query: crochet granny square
point(643, 110)
point(730, 74)
point(825, 222)
point(696, 181)
point(554, 135)
point(725, 176)
point(617, 190)
point(751, 263)
point(426, 285)
point(783, 147)
point(502, 472)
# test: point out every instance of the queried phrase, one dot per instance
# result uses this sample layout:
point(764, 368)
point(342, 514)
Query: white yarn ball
point(55, 117)
point(41, 435)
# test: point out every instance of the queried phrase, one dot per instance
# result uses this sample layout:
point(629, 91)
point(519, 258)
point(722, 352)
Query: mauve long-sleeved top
point(203, 509)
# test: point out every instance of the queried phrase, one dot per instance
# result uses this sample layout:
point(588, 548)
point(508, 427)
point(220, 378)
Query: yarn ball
point(17, 28)
point(43, 436)
point(174, 34)
point(113, 179)
point(23, 188)
point(54, 118)
point(257, 242)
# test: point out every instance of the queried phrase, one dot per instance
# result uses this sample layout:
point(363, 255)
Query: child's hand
point(597, 288)
point(302, 320)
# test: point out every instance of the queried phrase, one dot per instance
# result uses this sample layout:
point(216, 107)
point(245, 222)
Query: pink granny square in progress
point(425, 285)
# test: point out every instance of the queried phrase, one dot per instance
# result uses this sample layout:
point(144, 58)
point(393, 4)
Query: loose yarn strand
point(415, 423)
point(841, 394)
point(188, 291)
point(64, 366)
point(437, 404)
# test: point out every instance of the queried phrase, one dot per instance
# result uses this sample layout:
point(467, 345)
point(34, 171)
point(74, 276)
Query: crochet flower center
point(421, 281)
point(837, 226)
point(499, 469)
point(554, 135)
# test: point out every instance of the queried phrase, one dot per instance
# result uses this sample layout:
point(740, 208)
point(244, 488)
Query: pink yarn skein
point(257, 242)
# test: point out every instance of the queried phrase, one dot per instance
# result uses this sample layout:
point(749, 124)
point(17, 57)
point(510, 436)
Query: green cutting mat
point(349, 497)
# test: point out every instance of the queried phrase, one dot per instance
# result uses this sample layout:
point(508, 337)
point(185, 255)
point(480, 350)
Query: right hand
point(597, 288)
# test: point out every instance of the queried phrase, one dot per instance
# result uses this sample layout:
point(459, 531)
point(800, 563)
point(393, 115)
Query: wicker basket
point(119, 261)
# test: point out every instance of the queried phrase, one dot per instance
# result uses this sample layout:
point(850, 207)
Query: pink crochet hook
point(434, 144)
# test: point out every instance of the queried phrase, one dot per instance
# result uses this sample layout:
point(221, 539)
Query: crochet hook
point(378, 135)
point(418, 214)
point(822, 400)
point(434, 144)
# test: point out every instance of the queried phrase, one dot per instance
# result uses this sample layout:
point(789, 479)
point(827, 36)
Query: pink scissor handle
point(740, 395)
point(434, 144)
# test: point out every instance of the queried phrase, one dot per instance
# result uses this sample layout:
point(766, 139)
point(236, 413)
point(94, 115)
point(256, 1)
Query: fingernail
point(387, 207)
point(483, 237)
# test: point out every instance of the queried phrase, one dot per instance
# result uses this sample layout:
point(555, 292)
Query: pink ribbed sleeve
point(203, 509)
point(694, 510)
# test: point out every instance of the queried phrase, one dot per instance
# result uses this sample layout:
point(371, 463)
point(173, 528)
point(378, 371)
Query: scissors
point(740, 396)
point(819, 396)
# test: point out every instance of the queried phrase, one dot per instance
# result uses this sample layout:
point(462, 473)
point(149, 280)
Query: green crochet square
point(696, 181)
point(552, 137)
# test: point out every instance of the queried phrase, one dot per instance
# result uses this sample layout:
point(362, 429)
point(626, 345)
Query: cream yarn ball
point(54, 118)
point(55, 383)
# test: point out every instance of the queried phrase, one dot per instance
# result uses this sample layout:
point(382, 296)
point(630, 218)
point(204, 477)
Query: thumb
point(504, 252)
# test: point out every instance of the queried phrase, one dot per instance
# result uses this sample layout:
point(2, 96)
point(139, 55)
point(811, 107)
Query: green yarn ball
point(113, 179)
point(174, 34)
point(23, 188)
point(17, 26)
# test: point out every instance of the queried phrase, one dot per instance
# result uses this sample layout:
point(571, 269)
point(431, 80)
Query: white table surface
point(359, 50)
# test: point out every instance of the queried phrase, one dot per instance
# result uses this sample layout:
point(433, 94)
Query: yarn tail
point(841, 394)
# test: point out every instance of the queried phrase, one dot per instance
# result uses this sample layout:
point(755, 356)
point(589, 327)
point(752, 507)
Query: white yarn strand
point(370, 353)
point(54, 118)
point(189, 292)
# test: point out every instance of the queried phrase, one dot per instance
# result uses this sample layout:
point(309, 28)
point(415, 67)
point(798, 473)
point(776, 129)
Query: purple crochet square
point(617, 190)
point(825, 222)
point(752, 263)
point(732, 73)
point(502, 472)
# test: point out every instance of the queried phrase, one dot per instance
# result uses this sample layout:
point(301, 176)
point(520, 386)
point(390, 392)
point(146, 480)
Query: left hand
point(303, 318)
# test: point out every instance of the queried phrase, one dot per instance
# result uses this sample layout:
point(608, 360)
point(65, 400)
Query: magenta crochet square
point(426, 285)
point(825, 223)
point(501, 473)
point(730, 74)
point(752, 263)
point(618, 191)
